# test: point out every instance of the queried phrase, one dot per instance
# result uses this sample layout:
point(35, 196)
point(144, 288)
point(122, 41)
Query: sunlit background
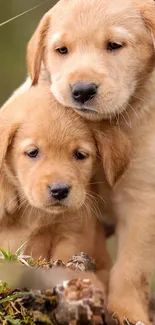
point(13, 40)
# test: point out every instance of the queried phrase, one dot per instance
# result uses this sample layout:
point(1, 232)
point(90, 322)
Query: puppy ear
point(147, 11)
point(114, 149)
point(7, 132)
point(8, 194)
point(10, 120)
point(35, 48)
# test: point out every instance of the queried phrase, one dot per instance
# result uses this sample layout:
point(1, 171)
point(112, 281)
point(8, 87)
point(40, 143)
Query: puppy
point(48, 160)
point(99, 58)
point(94, 54)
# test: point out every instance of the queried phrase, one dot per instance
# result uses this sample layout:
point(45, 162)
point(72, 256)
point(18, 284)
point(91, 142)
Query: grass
point(24, 307)
point(17, 256)
point(28, 307)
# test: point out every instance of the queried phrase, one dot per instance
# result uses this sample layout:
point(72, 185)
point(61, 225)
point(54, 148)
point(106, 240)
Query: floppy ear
point(8, 193)
point(35, 48)
point(114, 149)
point(147, 11)
point(11, 116)
point(7, 132)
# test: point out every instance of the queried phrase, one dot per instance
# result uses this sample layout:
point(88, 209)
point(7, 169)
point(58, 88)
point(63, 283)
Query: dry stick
point(23, 13)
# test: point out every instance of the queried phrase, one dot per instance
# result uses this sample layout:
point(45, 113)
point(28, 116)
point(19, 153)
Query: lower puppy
point(49, 162)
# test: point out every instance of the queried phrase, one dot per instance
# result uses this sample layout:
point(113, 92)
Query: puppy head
point(50, 154)
point(95, 53)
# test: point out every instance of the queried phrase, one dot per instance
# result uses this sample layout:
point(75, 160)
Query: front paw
point(124, 311)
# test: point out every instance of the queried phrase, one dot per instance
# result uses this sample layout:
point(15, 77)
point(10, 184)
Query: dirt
point(77, 302)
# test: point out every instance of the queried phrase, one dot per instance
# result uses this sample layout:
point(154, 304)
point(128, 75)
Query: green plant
point(17, 256)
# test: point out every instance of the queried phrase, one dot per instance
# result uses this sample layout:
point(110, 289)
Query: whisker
point(100, 197)
point(95, 209)
point(26, 207)
point(22, 203)
point(92, 198)
point(140, 98)
point(133, 110)
point(91, 209)
point(29, 215)
point(10, 201)
point(127, 123)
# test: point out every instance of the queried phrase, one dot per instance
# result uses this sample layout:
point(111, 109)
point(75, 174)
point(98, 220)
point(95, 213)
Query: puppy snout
point(83, 92)
point(59, 191)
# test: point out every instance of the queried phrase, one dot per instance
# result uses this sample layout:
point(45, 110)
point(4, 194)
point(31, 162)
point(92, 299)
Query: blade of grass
point(13, 321)
point(4, 253)
point(18, 251)
point(15, 296)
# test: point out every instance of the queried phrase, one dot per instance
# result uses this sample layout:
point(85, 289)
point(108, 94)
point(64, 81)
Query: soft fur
point(119, 74)
point(126, 95)
point(54, 229)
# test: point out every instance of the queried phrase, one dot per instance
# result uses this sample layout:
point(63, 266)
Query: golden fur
point(28, 211)
point(119, 74)
point(126, 95)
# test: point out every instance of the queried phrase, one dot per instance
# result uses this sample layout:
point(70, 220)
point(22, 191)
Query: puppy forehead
point(58, 132)
point(61, 38)
point(81, 14)
point(46, 121)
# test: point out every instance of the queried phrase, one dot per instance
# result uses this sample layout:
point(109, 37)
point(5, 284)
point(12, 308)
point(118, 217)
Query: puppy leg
point(64, 251)
point(102, 258)
point(39, 244)
point(130, 280)
point(94, 246)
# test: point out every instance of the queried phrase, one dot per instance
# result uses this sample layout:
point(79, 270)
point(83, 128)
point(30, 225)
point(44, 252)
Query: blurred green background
point(13, 40)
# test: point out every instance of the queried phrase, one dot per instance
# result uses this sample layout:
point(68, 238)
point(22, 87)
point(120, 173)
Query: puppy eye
point(112, 46)
point(62, 50)
point(33, 153)
point(80, 155)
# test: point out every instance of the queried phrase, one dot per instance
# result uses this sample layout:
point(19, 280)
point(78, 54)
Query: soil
point(77, 302)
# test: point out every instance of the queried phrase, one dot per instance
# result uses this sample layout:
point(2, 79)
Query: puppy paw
point(126, 313)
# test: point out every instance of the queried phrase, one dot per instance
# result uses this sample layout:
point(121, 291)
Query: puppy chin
point(55, 209)
point(88, 114)
point(102, 113)
point(50, 209)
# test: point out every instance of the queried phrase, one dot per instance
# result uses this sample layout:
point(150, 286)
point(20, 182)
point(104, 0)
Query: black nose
point(82, 92)
point(59, 191)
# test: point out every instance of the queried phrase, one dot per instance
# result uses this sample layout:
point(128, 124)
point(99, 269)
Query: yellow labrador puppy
point(49, 161)
point(98, 57)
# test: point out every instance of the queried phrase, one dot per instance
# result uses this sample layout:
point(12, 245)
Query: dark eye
point(62, 50)
point(112, 46)
point(33, 153)
point(80, 155)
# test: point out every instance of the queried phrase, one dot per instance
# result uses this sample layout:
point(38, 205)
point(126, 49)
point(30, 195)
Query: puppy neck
point(141, 105)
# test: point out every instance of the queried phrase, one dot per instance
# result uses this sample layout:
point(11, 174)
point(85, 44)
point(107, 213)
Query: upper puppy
point(98, 53)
